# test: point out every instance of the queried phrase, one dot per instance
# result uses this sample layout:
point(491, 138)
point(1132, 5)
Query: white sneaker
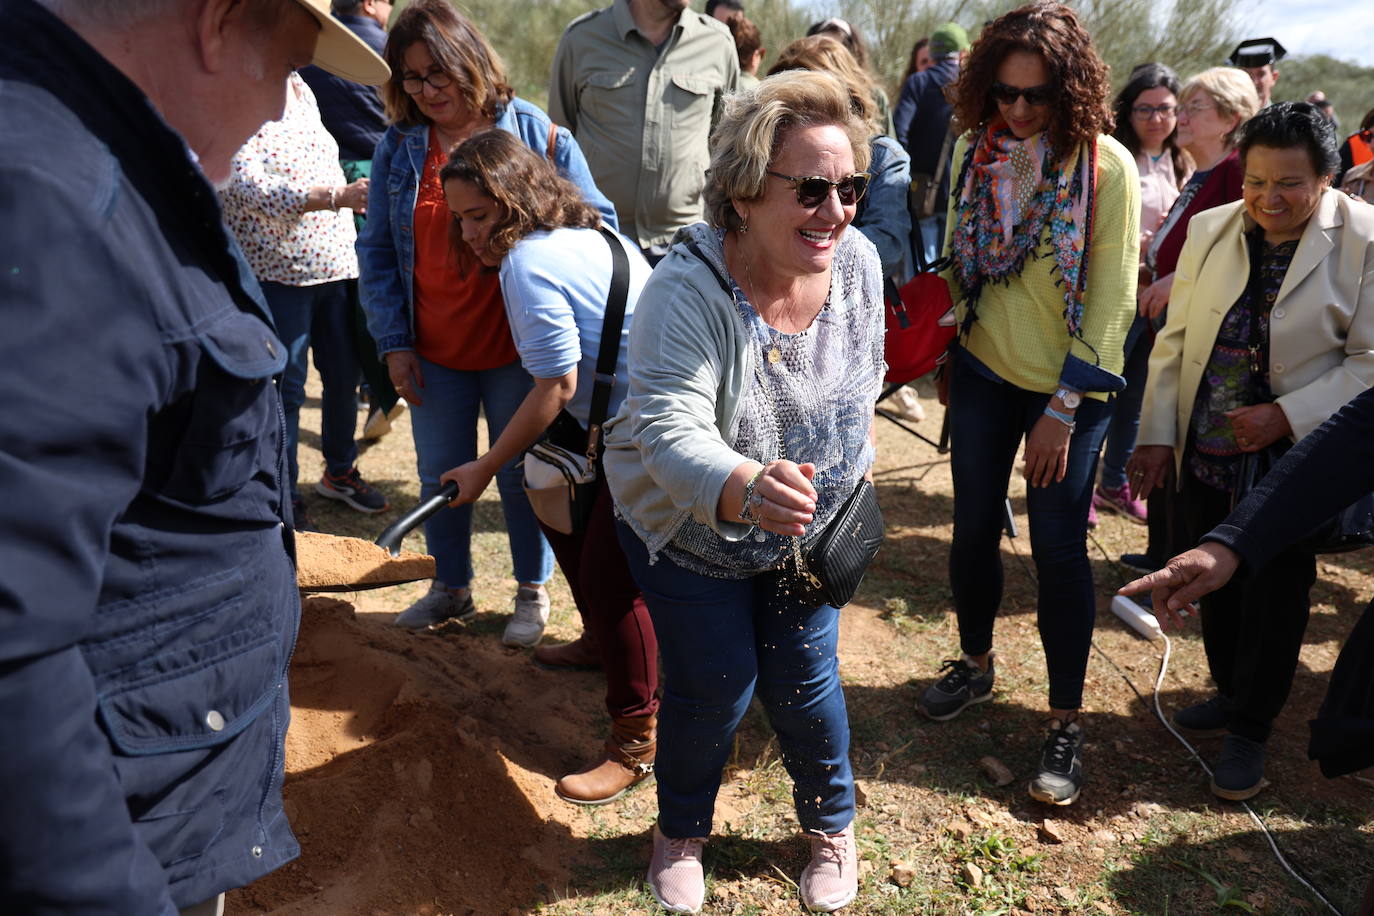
point(531, 614)
point(905, 404)
point(440, 603)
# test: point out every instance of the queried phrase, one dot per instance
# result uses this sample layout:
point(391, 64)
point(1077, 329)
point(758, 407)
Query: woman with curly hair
point(1044, 235)
point(512, 211)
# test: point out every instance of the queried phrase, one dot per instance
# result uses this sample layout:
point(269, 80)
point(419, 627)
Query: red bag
point(920, 325)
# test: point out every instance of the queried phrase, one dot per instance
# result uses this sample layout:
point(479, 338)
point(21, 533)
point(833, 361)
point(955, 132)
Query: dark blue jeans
point(722, 641)
point(1125, 407)
point(318, 318)
point(988, 421)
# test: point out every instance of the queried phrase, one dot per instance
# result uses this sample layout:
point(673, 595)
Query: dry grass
point(934, 834)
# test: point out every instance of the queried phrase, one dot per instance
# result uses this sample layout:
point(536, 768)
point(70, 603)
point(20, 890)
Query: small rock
point(960, 830)
point(902, 874)
point(860, 795)
point(1066, 894)
point(1052, 831)
point(1104, 907)
point(1104, 837)
point(972, 874)
point(996, 771)
point(865, 866)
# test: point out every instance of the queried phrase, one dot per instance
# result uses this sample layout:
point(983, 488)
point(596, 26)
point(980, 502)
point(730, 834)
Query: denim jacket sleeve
point(567, 156)
point(383, 288)
point(886, 220)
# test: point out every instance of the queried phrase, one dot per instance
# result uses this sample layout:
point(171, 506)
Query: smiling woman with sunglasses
point(1044, 225)
point(755, 358)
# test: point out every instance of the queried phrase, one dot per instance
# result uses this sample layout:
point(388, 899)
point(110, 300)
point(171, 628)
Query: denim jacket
point(883, 215)
point(148, 605)
point(386, 244)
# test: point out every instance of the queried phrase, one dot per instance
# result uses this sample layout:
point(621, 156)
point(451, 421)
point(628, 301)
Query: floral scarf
point(1011, 190)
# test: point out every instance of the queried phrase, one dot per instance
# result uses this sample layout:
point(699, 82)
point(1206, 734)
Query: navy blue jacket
point(147, 599)
point(351, 112)
point(922, 118)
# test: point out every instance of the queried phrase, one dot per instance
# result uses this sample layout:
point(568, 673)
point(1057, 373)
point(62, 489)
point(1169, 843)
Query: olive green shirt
point(642, 117)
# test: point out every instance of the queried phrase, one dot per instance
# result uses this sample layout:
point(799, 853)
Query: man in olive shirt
point(640, 85)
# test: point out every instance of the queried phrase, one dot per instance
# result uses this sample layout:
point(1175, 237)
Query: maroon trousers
point(612, 609)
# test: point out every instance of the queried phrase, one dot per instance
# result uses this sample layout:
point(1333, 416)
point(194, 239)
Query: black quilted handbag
point(836, 562)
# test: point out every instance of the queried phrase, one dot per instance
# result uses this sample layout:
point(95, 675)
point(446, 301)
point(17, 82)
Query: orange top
point(1360, 151)
point(460, 320)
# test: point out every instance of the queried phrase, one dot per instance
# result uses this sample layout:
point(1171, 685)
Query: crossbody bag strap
point(609, 353)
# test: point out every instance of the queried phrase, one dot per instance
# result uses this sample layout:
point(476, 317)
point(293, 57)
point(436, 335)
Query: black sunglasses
point(1035, 96)
point(812, 190)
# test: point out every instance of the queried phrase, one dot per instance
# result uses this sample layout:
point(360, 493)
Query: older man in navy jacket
point(147, 598)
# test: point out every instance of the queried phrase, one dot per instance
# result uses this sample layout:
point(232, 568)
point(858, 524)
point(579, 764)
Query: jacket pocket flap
point(199, 709)
point(243, 346)
point(610, 79)
point(694, 84)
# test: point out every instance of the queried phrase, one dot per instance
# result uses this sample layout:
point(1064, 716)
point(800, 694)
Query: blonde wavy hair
point(754, 126)
point(1231, 90)
point(823, 54)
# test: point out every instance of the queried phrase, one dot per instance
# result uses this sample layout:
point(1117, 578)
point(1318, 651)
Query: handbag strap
point(609, 353)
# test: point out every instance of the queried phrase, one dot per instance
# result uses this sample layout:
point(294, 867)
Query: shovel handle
point(391, 537)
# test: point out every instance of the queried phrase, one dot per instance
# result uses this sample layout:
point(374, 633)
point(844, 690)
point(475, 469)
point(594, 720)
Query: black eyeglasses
point(1035, 96)
point(812, 190)
point(414, 85)
point(1149, 112)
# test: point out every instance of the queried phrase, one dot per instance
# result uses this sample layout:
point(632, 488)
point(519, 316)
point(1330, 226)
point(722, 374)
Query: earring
point(743, 227)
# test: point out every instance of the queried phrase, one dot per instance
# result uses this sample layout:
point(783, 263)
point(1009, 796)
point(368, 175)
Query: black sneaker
point(349, 487)
point(1060, 777)
point(1140, 562)
point(300, 519)
point(963, 685)
point(1204, 720)
point(1239, 773)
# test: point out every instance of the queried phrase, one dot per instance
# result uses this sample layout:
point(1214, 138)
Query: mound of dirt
point(327, 561)
point(402, 795)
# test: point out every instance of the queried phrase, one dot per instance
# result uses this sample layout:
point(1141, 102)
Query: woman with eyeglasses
point(436, 313)
point(1044, 223)
point(1212, 107)
point(755, 358)
point(1146, 118)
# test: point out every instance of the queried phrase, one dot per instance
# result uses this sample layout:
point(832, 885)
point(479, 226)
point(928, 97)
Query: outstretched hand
point(1185, 579)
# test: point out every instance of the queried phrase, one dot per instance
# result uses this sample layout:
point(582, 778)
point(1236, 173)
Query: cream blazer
point(1321, 327)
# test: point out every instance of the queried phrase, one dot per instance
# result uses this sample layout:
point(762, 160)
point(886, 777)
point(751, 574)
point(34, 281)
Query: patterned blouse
point(264, 203)
point(1237, 373)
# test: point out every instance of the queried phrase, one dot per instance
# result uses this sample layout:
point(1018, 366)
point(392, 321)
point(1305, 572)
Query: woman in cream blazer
point(1270, 331)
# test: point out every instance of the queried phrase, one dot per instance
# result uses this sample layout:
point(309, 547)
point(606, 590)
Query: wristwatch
point(1071, 399)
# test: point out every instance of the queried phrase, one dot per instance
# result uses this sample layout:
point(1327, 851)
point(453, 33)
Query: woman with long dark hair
point(1146, 124)
point(1044, 219)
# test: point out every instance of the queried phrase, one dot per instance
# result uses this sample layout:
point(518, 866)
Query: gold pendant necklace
point(774, 352)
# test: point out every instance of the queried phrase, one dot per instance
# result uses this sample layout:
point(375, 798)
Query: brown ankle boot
point(582, 653)
point(627, 761)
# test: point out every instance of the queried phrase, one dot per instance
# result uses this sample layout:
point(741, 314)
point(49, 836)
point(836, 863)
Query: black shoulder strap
point(609, 353)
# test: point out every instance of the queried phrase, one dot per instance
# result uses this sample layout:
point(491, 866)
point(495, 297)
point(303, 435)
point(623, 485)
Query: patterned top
point(1237, 373)
point(816, 390)
point(264, 203)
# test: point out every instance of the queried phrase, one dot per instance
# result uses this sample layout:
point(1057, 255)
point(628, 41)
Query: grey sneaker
point(1204, 720)
point(1060, 777)
point(436, 606)
point(531, 614)
point(1239, 773)
point(963, 685)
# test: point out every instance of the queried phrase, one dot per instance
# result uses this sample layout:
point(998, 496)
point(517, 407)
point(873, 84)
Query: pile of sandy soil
point(419, 773)
point(328, 561)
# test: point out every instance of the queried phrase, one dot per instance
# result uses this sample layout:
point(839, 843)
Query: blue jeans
point(318, 318)
point(1124, 420)
point(445, 431)
point(988, 421)
point(722, 641)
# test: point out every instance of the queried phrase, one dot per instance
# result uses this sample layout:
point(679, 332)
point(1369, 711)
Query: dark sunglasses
point(812, 190)
point(1035, 96)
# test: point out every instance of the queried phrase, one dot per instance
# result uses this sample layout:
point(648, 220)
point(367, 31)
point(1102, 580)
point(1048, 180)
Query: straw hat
point(341, 52)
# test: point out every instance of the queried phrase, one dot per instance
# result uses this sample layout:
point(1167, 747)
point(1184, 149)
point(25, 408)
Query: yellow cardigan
point(1321, 327)
point(1020, 332)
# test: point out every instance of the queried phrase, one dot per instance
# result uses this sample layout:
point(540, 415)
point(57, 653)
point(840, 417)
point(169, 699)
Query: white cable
point(1273, 846)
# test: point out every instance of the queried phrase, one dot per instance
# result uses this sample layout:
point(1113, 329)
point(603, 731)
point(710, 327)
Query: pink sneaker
point(831, 879)
point(1118, 500)
point(1092, 516)
point(675, 874)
